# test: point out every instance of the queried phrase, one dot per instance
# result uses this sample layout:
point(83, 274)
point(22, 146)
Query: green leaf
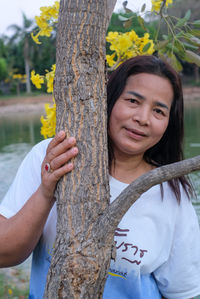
point(188, 15)
point(196, 23)
point(172, 47)
point(143, 7)
point(146, 47)
point(179, 46)
point(192, 57)
point(191, 39)
point(141, 22)
point(122, 18)
point(161, 44)
point(128, 24)
point(187, 35)
point(195, 40)
point(183, 21)
point(175, 62)
point(166, 37)
point(190, 46)
point(195, 32)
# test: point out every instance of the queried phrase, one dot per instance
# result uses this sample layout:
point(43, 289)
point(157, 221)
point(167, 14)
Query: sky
point(11, 10)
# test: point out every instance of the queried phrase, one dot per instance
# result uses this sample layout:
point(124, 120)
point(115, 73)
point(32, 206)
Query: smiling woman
point(155, 236)
point(165, 85)
point(140, 117)
point(145, 130)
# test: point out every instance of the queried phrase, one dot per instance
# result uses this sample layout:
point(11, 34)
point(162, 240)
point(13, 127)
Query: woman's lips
point(135, 134)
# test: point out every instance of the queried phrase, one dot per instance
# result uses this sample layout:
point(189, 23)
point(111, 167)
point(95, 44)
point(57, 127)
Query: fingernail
point(75, 150)
point(61, 133)
point(70, 165)
point(71, 139)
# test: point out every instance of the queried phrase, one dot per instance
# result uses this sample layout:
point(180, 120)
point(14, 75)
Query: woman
point(157, 241)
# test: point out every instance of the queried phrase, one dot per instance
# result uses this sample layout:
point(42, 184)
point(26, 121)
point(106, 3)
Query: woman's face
point(140, 116)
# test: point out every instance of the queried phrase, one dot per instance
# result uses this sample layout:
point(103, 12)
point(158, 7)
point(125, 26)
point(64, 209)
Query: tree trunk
point(27, 72)
point(27, 65)
point(82, 251)
point(80, 92)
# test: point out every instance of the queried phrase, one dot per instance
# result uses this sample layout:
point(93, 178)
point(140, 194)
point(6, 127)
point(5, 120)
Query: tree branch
point(110, 8)
point(126, 199)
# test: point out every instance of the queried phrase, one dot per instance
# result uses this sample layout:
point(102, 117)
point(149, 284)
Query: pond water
point(192, 145)
point(19, 132)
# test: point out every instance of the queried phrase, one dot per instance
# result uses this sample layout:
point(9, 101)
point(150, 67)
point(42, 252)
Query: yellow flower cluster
point(19, 77)
point(127, 45)
point(48, 128)
point(157, 4)
point(48, 16)
point(50, 78)
point(37, 79)
point(49, 122)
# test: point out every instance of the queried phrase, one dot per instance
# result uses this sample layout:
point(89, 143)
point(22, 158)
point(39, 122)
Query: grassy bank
point(16, 286)
point(22, 95)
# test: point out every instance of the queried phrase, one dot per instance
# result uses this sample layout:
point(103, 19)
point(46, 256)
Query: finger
point(59, 137)
point(60, 148)
point(57, 174)
point(63, 158)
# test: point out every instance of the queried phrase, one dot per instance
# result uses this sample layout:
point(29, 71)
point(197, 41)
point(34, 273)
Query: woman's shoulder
point(38, 151)
point(42, 145)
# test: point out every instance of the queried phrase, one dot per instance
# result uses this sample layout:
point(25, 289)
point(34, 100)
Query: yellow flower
point(46, 31)
point(19, 77)
point(157, 4)
point(35, 38)
point(48, 128)
point(111, 36)
point(127, 45)
point(131, 53)
point(132, 35)
point(36, 79)
point(40, 21)
point(48, 16)
point(50, 78)
point(110, 59)
point(168, 2)
point(10, 292)
point(124, 43)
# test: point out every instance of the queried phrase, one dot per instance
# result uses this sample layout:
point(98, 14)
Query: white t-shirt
point(157, 240)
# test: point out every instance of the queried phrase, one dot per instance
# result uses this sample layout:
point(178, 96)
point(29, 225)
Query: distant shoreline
point(24, 104)
point(36, 103)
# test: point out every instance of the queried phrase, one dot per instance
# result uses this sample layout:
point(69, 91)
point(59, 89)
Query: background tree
point(179, 9)
point(82, 249)
point(23, 34)
point(3, 69)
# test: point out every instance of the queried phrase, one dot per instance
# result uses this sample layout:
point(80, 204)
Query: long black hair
point(170, 147)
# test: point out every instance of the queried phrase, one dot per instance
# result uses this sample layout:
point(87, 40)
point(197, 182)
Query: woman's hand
point(57, 162)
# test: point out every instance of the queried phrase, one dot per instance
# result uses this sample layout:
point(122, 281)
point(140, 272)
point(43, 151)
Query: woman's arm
point(20, 233)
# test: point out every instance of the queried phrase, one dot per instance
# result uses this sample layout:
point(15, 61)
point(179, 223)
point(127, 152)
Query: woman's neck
point(127, 169)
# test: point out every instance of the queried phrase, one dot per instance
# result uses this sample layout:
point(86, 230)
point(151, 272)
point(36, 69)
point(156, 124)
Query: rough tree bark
point(86, 222)
point(80, 94)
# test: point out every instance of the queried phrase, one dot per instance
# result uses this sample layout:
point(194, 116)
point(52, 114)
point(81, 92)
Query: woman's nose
point(142, 116)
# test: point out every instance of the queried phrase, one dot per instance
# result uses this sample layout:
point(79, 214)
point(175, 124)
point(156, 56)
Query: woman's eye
point(159, 111)
point(133, 101)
